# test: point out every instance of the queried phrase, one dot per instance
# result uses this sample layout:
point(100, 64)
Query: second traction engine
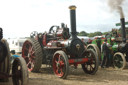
point(60, 49)
point(17, 70)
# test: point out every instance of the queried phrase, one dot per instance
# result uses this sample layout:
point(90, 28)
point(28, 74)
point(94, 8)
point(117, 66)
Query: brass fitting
point(73, 7)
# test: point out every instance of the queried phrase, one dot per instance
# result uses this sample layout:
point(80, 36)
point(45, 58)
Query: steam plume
point(116, 5)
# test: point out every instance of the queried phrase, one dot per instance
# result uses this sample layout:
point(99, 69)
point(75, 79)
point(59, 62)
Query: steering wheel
point(33, 34)
point(51, 29)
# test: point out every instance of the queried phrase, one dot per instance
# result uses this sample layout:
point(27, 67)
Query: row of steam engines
point(118, 40)
point(60, 49)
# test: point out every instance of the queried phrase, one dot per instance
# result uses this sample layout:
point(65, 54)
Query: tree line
point(98, 33)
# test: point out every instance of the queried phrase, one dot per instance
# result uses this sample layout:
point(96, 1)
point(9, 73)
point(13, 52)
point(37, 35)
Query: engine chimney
point(73, 21)
point(122, 20)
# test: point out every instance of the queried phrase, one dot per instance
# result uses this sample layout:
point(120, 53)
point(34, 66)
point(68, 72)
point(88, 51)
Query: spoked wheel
point(5, 65)
point(19, 72)
point(119, 60)
point(96, 49)
point(32, 53)
point(33, 34)
point(91, 66)
point(60, 64)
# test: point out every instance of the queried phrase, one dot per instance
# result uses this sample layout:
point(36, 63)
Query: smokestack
point(73, 21)
point(116, 5)
point(122, 21)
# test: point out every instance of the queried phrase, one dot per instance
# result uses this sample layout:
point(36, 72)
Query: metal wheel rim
point(59, 65)
point(91, 47)
point(96, 49)
point(90, 66)
point(28, 54)
point(33, 34)
point(17, 73)
point(118, 61)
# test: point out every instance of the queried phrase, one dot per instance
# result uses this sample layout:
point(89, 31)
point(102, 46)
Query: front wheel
point(60, 64)
point(119, 61)
point(19, 72)
point(91, 66)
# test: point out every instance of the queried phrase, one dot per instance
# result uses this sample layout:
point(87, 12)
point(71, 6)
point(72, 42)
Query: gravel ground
point(105, 76)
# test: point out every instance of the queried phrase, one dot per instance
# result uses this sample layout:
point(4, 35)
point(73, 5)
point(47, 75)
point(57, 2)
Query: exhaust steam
point(116, 5)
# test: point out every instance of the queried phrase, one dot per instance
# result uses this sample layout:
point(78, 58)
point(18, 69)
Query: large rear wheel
point(119, 61)
point(91, 66)
point(32, 53)
point(60, 64)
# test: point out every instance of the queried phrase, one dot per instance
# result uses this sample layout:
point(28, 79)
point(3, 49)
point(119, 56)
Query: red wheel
point(32, 53)
point(60, 64)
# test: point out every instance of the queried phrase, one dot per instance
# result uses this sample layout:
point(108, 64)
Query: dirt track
point(107, 76)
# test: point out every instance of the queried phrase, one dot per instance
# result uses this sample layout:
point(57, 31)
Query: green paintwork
point(118, 24)
point(113, 47)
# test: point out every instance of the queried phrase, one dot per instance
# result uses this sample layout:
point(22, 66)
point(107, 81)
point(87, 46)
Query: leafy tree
point(95, 34)
point(83, 33)
point(91, 35)
point(105, 33)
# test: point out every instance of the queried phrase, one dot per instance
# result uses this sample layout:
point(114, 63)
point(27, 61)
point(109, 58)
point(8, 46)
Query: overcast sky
point(19, 18)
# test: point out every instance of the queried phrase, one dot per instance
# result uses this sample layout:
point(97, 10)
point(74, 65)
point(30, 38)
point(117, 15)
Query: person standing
point(13, 56)
point(105, 50)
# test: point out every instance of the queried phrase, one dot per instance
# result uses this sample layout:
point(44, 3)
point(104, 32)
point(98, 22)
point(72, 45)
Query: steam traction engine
point(19, 70)
point(119, 46)
point(59, 49)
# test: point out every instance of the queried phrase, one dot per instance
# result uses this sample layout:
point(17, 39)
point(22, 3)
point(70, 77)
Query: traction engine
point(19, 72)
point(60, 49)
point(118, 39)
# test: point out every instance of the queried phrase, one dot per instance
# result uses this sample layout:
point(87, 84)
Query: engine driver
point(105, 50)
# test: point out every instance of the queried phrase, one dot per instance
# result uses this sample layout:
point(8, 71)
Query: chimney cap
point(72, 7)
